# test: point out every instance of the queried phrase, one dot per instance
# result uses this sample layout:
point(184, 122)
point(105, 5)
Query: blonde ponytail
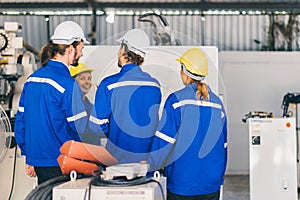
point(202, 91)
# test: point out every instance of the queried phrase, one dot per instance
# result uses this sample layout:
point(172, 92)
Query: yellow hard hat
point(195, 62)
point(75, 70)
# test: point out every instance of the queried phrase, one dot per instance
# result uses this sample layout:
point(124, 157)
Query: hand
point(30, 171)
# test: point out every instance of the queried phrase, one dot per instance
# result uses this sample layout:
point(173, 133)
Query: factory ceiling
point(289, 6)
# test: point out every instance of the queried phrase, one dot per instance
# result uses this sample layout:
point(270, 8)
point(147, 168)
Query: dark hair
point(130, 56)
point(50, 50)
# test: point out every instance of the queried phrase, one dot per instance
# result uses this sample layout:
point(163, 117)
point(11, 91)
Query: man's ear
point(70, 49)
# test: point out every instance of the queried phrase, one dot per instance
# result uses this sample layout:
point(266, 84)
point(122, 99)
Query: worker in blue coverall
point(191, 141)
point(127, 103)
point(51, 110)
point(83, 75)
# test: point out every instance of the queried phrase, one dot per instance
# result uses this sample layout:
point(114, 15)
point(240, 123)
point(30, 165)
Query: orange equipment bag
point(83, 158)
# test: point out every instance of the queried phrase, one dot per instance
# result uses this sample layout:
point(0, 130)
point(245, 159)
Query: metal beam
point(205, 6)
point(42, 5)
point(93, 29)
point(260, 6)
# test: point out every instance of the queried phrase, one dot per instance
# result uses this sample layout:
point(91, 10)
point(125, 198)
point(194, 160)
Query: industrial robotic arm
point(164, 37)
point(16, 64)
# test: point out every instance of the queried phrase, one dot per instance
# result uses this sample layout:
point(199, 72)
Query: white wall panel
point(250, 84)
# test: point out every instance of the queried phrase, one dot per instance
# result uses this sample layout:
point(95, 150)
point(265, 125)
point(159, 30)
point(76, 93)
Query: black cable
point(47, 191)
point(90, 189)
point(163, 19)
point(36, 192)
point(14, 174)
point(160, 187)
point(39, 194)
point(120, 182)
point(95, 174)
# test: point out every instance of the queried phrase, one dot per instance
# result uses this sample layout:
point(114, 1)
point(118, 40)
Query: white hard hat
point(68, 32)
point(136, 40)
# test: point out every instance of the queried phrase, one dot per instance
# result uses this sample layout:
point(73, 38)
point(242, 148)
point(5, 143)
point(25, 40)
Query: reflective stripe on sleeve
point(98, 121)
point(47, 80)
point(197, 103)
point(21, 109)
point(165, 137)
point(78, 116)
point(132, 83)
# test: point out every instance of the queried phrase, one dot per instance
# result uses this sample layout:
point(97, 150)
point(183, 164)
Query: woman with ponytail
point(191, 141)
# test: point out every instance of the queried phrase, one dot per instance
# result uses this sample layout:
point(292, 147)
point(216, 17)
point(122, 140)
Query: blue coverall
point(126, 109)
point(191, 143)
point(50, 113)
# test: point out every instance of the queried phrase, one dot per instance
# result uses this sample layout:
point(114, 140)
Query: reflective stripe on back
point(98, 121)
point(132, 83)
point(197, 103)
point(78, 116)
point(165, 137)
point(47, 80)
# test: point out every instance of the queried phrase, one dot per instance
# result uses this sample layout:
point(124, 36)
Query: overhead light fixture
point(203, 17)
point(110, 18)
point(99, 12)
point(197, 12)
point(47, 18)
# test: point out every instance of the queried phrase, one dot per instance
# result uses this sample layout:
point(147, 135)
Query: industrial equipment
point(164, 37)
point(6, 139)
point(79, 189)
point(10, 61)
point(83, 158)
point(7, 142)
point(257, 114)
point(272, 159)
point(102, 181)
point(289, 98)
point(128, 170)
point(16, 63)
point(290, 107)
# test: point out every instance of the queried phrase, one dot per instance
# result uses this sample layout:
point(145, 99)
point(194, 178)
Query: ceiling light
point(110, 18)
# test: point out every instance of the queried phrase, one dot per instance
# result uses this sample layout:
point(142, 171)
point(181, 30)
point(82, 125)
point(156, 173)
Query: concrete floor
point(236, 187)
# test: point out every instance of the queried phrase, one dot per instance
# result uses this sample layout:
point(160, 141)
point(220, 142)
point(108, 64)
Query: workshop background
point(258, 43)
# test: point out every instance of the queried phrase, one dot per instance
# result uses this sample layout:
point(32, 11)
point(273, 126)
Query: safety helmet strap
point(192, 75)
